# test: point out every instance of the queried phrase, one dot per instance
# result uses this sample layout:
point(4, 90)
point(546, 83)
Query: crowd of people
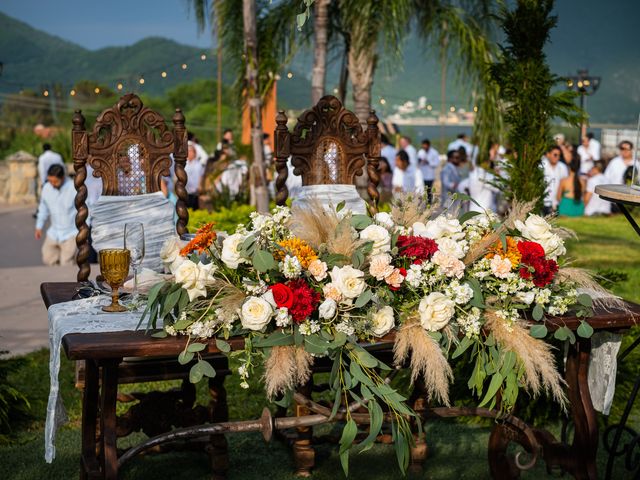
point(571, 174)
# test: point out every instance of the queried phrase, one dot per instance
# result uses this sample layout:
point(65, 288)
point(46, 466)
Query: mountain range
point(34, 59)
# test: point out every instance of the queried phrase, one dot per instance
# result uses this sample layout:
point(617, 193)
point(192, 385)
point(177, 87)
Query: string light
point(429, 107)
point(164, 74)
point(290, 75)
point(452, 109)
point(569, 83)
point(96, 90)
point(475, 108)
point(141, 81)
point(184, 66)
point(45, 93)
point(335, 91)
point(203, 57)
point(382, 101)
point(119, 86)
point(72, 93)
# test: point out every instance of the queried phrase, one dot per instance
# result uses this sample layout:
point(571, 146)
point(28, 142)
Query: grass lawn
point(457, 449)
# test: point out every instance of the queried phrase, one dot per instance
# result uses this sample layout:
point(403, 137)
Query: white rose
point(536, 229)
point(170, 254)
point(194, 278)
point(384, 219)
point(379, 236)
point(383, 321)
point(439, 227)
point(348, 280)
point(450, 247)
point(436, 309)
point(327, 309)
point(268, 296)
point(255, 313)
point(230, 250)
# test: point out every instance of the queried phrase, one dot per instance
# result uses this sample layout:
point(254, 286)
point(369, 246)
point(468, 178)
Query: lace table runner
point(79, 316)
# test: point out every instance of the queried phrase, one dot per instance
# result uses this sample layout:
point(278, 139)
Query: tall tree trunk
point(362, 64)
point(258, 178)
point(344, 72)
point(320, 28)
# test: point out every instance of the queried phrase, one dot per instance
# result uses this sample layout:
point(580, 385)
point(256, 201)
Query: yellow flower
point(512, 253)
point(298, 248)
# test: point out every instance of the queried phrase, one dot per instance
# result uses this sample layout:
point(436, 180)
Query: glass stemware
point(134, 242)
point(114, 267)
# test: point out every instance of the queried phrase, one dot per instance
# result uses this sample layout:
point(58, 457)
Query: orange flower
point(298, 248)
point(512, 253)
point(205, 236)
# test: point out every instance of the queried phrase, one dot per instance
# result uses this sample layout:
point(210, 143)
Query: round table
point(621, 195)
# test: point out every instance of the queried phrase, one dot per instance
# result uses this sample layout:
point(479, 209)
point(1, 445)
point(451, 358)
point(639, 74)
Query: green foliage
point(526, 83)
point(226, 219)
point(14, 406)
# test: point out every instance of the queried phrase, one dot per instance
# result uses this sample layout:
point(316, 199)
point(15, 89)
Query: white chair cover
point(330, 196)
point(110, 214)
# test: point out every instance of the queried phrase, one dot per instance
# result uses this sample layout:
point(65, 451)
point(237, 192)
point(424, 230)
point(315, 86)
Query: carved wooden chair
point(328, 146)
point(134, 131)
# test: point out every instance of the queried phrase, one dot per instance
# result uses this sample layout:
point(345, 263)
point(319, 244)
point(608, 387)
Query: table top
point(619, 193)
point(106, 345)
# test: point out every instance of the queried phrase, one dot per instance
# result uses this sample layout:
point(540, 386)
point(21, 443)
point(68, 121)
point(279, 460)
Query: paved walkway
point(23, 318)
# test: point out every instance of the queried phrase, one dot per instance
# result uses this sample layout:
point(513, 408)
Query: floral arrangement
point(302, 284)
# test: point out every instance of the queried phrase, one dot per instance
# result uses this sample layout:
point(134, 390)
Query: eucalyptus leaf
point(196, 347)
point(538, 331)
point(340, 205)
point(195, 374)
point(538, 313)
point(375, 425)
point(494, 386)
point(185, 357)
point(360, 222)
point(462, 347)
point(222, 345)
point(584, 299)
point(160, 334)
point(584, 330)
point(363, 298)
point(263, 261)
point(206, 368)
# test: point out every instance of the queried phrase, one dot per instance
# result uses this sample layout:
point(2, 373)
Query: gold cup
point(114, 267)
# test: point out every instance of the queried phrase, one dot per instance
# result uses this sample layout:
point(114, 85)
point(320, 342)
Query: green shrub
point(224, 218)
point(14, 406)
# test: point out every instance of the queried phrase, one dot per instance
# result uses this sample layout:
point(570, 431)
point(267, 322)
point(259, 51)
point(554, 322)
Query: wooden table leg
point(585, 440)
point(219, 452)
point(304, 454)
point(109, 393)
point(89, 466)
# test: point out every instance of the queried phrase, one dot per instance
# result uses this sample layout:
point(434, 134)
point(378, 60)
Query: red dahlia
point(534, 264)
point(417, 248)
point(305, 300)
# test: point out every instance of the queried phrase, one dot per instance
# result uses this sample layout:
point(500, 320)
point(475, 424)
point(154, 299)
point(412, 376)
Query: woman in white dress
point(406, 177)
point(479, 186)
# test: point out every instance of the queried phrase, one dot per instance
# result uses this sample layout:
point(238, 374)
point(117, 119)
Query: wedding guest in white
point(461, 141)
point(406, 178)
point(554, 172)
point(618, 167)
point(586, 156)
point(194, 171)
point(594, 147)
point(388, 151)
point(201, 154)
point(45, 160)
point(479, 186)
point(227, 137)
point(57, 204)
point(405, 144)
point(449, 179)
point(594, 205)
point(429, 161)
point(234, 177)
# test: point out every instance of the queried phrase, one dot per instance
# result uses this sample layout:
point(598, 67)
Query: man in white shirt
point(406, 178)
point(461, 141)
point(48, 158)
point(554, 172)
point(388, 151)
point(429, 161)
point(201, 154)
point(234, 177)
point(479, 186)
point(594, 147)
point(57, 204)
point(405, 144)
point(586, 157)
point(194, 170)
point(618, 166)
point(593, 204)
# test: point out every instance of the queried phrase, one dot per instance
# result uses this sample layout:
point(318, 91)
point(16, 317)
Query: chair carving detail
point(134, 133)
point(328, 145)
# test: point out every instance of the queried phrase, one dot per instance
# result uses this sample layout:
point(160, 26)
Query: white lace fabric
point(79, 316)
point(330, 196)
point(603, 367)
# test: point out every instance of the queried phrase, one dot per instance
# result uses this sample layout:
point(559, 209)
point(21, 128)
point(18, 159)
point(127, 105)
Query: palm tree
point(321, 37)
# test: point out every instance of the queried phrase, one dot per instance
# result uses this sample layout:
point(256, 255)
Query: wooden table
point(104, 351)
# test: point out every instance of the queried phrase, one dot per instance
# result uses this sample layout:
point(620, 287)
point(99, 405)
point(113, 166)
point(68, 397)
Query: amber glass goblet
point(114, 267)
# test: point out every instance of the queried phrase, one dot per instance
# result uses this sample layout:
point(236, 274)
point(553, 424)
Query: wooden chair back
point(131, 130)
point(328, 145)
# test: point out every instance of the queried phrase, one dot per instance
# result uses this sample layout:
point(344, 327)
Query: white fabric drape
point(330, 196)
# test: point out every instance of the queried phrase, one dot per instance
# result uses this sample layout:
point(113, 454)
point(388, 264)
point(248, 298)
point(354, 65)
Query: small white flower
point(526, 297)
point(383, 321)
point(309, 327)
point(327, 309)
point(451, 247)
point(244, 384)
point(345, 327)
point(291, 267)
point(384, 219)
point(441, 226)
point(242, 370)
point(283, 319)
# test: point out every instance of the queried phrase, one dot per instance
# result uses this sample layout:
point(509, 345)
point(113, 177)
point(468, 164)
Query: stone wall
point(18, 174)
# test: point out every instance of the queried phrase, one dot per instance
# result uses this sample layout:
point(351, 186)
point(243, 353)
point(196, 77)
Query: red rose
point(530, 251)
point(418, 248)
point(305, 300)
point(282, 295)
